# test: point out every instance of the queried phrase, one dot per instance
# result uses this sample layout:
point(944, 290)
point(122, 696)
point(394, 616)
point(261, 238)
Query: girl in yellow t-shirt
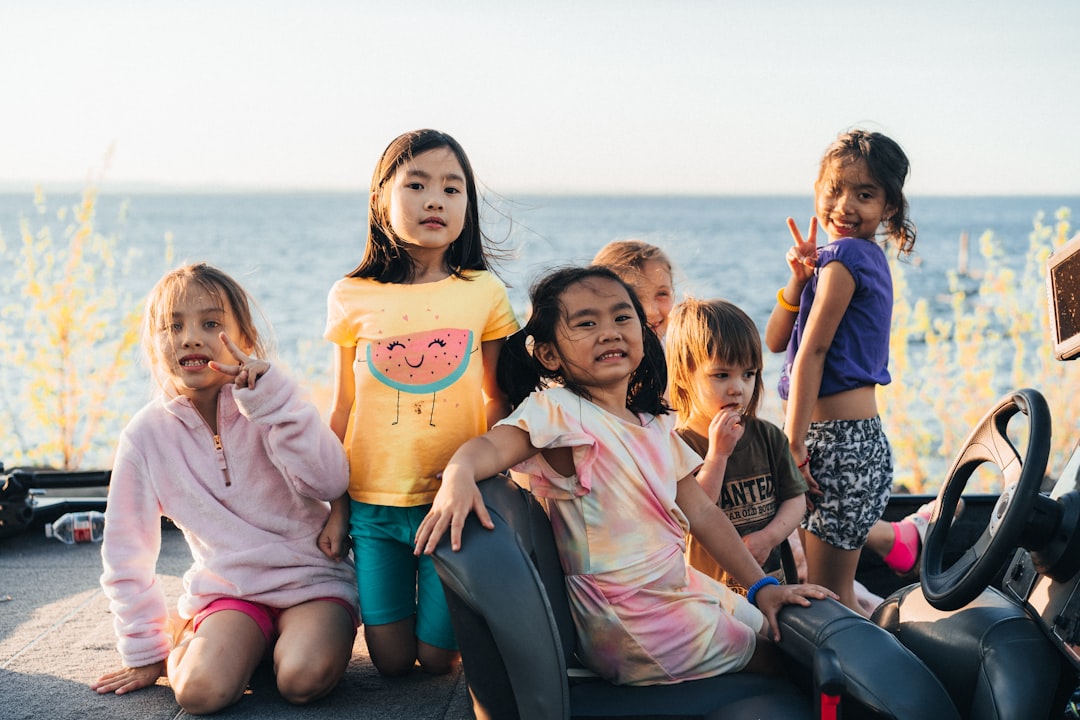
point(418, 327)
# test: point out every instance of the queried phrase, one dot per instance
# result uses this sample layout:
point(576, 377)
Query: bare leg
point(881, 538)
point(210, 670)
point(392, 646)
point(395, 650)
point(900, 543)
point(436, 660)
point(313, 650)
point(834, 568)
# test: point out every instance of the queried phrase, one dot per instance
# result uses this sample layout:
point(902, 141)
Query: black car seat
point(507, 599)
point(882, 679)
point(508, 604)
point(992, 657)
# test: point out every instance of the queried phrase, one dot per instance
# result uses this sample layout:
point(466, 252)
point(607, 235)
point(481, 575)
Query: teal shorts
point(393, 583)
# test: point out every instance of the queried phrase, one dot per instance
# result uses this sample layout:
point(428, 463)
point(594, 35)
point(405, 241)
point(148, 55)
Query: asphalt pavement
point(56, 636)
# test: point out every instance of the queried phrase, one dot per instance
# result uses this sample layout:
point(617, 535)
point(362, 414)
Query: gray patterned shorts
point(852, 462)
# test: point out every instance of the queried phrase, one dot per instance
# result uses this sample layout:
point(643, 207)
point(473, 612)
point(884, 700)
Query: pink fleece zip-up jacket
point(251, 502)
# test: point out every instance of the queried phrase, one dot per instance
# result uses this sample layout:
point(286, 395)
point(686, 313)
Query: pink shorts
point(265, 617)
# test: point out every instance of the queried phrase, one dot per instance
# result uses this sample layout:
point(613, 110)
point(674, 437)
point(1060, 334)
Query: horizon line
point(68, 187)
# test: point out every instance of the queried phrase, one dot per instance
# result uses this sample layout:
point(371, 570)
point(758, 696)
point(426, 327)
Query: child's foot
point(909, 535)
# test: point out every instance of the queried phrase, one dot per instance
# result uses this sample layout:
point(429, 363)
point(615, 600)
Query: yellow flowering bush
point(948, 371)
point(69, 335)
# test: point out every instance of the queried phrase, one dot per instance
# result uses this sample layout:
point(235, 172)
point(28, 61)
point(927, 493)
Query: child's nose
point(434, 202)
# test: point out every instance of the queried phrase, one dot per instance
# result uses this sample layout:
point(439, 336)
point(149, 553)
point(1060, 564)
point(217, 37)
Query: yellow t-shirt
point(419, 377)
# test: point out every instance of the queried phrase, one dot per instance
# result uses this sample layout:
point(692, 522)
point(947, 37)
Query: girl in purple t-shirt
point(833, 318)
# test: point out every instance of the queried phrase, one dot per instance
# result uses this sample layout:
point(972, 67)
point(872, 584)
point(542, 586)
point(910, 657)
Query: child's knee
point(392, 647)
point(393, 663)
point(204, 693)
point(436, 660)
point(303, 682)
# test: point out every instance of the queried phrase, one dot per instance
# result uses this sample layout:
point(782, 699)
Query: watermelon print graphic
point(421, 363)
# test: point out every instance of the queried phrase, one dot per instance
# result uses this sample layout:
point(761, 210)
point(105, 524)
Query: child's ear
point(546, 355)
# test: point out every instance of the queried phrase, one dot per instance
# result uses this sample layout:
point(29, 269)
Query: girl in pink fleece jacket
point(245, 468)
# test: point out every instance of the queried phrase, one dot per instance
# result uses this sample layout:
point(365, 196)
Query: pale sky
point(723, 97)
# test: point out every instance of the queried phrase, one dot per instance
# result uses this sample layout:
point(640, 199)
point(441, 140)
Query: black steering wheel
point(952, 588)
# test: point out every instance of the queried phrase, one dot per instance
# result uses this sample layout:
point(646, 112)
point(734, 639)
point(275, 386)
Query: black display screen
point(1064, 299)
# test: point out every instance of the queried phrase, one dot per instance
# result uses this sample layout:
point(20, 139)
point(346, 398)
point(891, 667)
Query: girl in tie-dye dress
point(587, 380)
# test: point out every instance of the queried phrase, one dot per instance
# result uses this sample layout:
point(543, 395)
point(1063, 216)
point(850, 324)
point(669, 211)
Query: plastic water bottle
point(77, 527)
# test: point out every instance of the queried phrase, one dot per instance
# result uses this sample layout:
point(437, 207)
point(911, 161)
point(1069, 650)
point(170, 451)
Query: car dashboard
point(1048, 581)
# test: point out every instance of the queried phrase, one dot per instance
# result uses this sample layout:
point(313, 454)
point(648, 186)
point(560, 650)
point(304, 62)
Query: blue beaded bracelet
point(751, 593)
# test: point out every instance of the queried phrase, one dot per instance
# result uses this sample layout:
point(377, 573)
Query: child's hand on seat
point(457, 497)
point(771, 598)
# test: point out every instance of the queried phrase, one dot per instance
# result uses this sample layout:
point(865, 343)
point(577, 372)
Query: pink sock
point(905, 549)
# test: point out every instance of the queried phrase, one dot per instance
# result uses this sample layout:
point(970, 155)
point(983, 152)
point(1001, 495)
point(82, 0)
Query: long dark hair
point(384, 258)
point(520, 373)
point(889, 166)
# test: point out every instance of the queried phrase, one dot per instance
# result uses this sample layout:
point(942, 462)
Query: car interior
point(989, 631)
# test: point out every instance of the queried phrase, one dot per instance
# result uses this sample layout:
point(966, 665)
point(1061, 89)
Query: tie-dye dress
point(643, 616)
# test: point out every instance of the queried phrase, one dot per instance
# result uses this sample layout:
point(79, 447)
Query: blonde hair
point(162, 300)
point(701, 332)
point(627, 258)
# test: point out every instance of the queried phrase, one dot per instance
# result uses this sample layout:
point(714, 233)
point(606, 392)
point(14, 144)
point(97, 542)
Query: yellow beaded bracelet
point(784, 303)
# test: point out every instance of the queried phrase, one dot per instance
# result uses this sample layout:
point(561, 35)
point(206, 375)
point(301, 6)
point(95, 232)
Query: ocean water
point(287, 249)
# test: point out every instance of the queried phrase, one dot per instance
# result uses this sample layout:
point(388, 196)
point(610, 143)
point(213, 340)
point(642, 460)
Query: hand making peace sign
point(247, 370)
point(802, 257)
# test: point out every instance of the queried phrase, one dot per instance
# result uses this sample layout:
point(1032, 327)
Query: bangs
point(163, 301)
